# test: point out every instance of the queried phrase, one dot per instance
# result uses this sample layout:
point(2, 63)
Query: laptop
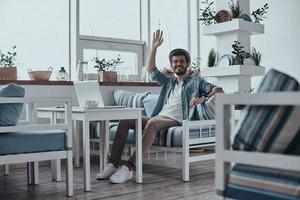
point(89, 91)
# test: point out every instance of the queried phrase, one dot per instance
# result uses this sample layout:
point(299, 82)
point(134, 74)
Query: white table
point(100, 114)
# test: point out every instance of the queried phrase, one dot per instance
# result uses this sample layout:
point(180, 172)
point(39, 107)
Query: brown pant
point(151, 126)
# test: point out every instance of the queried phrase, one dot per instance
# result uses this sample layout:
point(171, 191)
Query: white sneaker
point(107, 172)
point(122, 175)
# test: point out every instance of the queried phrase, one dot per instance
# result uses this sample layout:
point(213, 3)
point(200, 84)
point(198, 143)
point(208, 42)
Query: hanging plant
point(259, 13)
point(207, 15)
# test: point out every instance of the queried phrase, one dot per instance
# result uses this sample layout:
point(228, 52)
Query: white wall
point(280, 45)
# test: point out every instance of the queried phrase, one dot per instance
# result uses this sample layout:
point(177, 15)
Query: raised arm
point(156, 42)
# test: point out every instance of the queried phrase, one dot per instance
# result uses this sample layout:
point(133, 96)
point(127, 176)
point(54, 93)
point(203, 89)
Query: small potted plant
point(8, 71)
point(106, 68)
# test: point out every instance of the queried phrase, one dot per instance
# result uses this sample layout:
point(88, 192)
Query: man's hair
point(180, 52)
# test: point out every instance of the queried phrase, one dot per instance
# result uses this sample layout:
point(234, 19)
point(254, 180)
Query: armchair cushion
point(149, 103)
point(30, 142)
point(10, 112)
point(269, 128)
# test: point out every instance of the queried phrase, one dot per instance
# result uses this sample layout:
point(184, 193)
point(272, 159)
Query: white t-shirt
point(173, 107)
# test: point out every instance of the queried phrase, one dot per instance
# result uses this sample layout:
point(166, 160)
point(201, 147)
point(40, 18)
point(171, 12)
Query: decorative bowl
point(40, 75)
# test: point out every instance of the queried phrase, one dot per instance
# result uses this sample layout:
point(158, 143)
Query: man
point(179, 95)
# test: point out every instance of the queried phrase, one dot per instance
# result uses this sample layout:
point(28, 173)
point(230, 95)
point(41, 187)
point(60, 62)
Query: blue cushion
point(30, 142)
point(9, 112)
point(149, 103)
point(130, 99)
point(269, 128)
point(249, 182)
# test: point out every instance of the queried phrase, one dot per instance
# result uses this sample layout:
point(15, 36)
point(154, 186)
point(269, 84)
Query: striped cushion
point(206, 110)
point(130, 99)
point(249, 182)
point(269, 128)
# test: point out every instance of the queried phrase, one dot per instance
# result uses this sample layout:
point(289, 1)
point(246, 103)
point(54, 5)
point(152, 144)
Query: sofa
point(172, 146)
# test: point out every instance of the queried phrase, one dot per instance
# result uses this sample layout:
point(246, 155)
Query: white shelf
point(233, 26)
point(234, 70)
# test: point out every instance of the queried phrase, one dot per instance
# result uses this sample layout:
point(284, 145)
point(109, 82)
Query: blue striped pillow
point(269, 128)
point(206, 110)
point(130, 99)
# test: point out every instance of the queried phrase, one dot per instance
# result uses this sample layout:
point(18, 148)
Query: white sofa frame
point(225, 156)
point(31, 125)
point(178, 157)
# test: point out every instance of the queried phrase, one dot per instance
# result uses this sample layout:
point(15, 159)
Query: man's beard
point(180, 72)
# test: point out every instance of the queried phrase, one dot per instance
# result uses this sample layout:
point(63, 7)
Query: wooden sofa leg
point(6, 169)
point(69, 174)
point(56, 170)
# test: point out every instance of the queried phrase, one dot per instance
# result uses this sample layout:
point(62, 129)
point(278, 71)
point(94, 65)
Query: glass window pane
point(113, 18)
point(172, 17)
point(125, 69)
point(39, 29)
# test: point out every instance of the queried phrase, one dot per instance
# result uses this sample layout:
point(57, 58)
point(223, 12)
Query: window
point(39, 29)
point(113, 18)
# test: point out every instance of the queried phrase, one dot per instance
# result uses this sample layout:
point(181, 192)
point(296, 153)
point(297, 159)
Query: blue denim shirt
point(192, 87)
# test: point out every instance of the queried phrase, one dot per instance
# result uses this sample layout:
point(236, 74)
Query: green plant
point(235, 9)
point(256, 56)
point(195, 66)
point(8, 60)
point(259, 13)
point(107, 65)
point(207, 14)
point(212, 57)
point(239, 55)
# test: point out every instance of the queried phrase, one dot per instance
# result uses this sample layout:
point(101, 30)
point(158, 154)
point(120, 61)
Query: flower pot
point(107, 76)
point(8, 73)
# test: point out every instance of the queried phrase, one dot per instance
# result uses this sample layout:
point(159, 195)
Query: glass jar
point(62, 75)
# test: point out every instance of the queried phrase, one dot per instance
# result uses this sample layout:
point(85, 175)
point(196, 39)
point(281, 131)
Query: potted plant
point(8, 71)
point(106, 68)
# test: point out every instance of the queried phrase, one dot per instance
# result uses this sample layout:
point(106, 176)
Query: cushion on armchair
point(10, 112)
point(269, 128)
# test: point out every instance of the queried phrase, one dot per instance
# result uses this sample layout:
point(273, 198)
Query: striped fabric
point(269, 128)
point(206, 110)
point(130, 99)
point(249, 182)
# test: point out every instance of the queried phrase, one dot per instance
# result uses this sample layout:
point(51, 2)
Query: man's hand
point(157, 39)
point(196, 101)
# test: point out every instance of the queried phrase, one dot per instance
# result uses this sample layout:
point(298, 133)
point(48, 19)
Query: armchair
point(31, 142)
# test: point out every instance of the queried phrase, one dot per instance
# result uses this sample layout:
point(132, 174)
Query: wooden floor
point(159, 183)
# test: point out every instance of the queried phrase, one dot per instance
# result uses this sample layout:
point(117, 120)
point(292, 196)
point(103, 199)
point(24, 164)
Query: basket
point(40, 75)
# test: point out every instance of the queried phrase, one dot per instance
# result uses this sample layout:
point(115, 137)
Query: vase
point(107, 76)
point(8, 73)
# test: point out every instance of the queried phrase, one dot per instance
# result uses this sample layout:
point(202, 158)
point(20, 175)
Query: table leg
point(106, 143)
point(76, 129)
point(86, 155)
point(101, 145)
point(138, 138)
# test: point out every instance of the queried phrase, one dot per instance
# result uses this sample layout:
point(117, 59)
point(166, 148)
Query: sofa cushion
point(10, 112)
point(269, 128)
point(30, 142)
point(149, 103)
point(249, 182)
point(130, 99)
point(206, 110)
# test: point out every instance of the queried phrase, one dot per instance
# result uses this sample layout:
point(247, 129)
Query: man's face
point(179, 65)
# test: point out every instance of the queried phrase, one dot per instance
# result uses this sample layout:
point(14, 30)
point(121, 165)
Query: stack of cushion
point(274, 129)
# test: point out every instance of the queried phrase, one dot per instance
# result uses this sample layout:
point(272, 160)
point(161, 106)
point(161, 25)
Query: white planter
point(234, 78)
point(233, 26)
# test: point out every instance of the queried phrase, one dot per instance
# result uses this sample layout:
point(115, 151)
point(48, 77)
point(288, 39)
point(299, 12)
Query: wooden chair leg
point(69, 174)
